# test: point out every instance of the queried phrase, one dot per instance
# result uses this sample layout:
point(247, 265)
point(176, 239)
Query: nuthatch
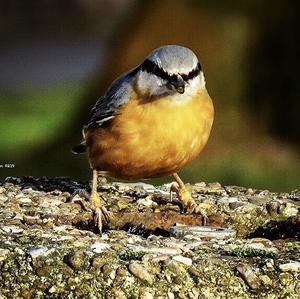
point(151, 122)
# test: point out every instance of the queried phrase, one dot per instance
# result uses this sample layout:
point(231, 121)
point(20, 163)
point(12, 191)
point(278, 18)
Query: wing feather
point(108, 105)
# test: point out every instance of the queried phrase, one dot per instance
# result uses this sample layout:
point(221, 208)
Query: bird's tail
point(79, 149)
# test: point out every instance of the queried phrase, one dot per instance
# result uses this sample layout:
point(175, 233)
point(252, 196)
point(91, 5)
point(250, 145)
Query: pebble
point(12, 229)
point(236, 204)
point(156, 250)
point(261, 246)
point(3, 254)
point(3, 198)
point(184, 260)
point(266, 280)
point(248, 276)
point(227, 200)
point(202, 232)
point(25, 201)
point(146, 295)
point(140, 272)
point(292, 266)
point(99, 247)
point(147, 202)
point(109, 271)
point(159, 258)
point(171, 295)
point(214, 185)
point(76, 260)
point(289, 210)
point(38, 251)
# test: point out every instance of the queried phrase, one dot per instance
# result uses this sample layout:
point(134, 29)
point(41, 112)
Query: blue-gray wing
point(108, 105)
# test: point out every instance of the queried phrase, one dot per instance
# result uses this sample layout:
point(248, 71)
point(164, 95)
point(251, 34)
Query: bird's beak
point(179, 84)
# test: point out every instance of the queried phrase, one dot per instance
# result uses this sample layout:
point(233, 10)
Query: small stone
point(76, 260)
point(146, 295)
point(171, 295)
point(140, 272)
point(270, 263)
point(52, 290)
point(206, 232)
point(177, 268)
point(184, 260)
point(157, 250)
point(3, 254)
point(147, 202)
point(116, 294)
point(214, 185)
point(98, 262)
point(292, 266)
point(99, 247)
point(273, 207)
point(285, 278)
point(227, 200)
point(263, 241)
point(123, 203)
point(266, 280)
point(12, 229)
point(19, 251)
point(38, 251)
point(2, 190)
point(195, 272)
point(249, 276)
point(159, 258)
point(3, 198)
point(109, 271)
point(25, 201)
point(258, 200)
point(236, 204)
point(289, 210)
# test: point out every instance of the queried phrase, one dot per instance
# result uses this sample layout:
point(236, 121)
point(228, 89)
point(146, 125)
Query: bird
point(152, 121)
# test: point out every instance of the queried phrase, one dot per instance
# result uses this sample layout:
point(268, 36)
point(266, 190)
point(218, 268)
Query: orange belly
point(151, 139)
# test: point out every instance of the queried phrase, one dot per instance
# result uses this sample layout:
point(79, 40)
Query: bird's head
point(170, 70)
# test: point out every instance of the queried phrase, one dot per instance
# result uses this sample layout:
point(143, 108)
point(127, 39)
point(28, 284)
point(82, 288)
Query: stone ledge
point(49, 249)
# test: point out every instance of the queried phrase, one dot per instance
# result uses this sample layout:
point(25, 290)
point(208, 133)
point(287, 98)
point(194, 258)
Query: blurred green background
point(57, 57)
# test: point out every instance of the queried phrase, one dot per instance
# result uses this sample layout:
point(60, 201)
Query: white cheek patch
point(149, 84)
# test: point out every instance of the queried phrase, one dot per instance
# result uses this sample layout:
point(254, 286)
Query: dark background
point(57, 57)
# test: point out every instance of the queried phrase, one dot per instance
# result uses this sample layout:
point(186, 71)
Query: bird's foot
point(100, 212)
point(188, 202)
point(92, 202)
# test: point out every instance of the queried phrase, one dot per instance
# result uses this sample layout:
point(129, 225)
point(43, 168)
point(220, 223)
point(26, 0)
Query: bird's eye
point(192, 74)
point(185, 77)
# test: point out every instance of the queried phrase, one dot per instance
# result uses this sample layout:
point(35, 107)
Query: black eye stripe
point(150, 67)
point(192, 74)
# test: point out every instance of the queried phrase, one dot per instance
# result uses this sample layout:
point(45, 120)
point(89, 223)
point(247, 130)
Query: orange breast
point(151, 139)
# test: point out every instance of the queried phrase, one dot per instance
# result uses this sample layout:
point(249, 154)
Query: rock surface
point(50, 249)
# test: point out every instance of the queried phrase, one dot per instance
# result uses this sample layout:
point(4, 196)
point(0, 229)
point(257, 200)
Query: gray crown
point(174, 59)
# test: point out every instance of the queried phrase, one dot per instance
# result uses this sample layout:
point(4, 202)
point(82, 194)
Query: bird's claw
point(100, 213)
point(188, 202)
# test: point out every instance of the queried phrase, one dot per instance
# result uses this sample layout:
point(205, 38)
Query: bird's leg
point(98, 207)
point(184, 195)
